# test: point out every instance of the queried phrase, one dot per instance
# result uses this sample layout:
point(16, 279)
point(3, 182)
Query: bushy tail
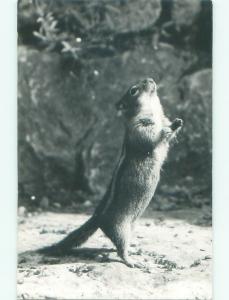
point(75, 238)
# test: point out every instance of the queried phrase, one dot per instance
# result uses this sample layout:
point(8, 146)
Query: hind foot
point(131, 263)
point(53, 250)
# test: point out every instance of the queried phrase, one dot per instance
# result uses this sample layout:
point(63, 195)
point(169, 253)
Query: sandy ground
point(176, 252)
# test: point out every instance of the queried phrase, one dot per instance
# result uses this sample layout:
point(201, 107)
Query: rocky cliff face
point(68, 130)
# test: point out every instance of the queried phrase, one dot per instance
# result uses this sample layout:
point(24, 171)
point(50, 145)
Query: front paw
point(177, 123)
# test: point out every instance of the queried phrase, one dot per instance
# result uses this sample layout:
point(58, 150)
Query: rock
point(30, 179)
point(43, 231)
point(87, 203)
point(195, 263)
point(184, 12)
point(196, 110)
point(57, 205)
point(71, 136)
point(36, 272)
point(207, 257)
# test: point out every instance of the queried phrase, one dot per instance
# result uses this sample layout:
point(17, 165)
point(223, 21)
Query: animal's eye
point(134, 90)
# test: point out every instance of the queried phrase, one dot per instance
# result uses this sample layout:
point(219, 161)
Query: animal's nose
point(149, 84)
point(148, 80)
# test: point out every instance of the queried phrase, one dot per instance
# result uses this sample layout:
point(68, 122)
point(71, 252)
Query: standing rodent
point(146, 143)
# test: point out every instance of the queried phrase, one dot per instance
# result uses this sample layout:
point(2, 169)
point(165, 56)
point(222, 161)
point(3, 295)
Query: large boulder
point(196, 109)
point(185, 12)
point(187, 177)
point(69, 133)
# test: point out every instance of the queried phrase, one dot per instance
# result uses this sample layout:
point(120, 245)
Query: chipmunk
point(148, 133)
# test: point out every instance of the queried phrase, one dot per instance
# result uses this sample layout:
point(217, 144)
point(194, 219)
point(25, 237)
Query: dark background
point(75, 60)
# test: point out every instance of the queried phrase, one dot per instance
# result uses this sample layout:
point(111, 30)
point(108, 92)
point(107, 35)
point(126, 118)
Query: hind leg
point(121, 241)
point(120, 236)
point(122, 245)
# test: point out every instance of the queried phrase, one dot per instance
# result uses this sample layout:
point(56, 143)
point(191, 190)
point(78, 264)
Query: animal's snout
point(148, 80)
point(149, 84)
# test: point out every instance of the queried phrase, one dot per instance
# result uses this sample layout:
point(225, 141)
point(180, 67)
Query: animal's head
point(140, 98)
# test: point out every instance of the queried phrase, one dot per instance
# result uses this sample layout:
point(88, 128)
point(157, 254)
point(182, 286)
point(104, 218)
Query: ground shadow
point(70, 256)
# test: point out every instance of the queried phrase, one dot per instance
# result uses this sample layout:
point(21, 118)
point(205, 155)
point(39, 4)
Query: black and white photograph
point(114, 126)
